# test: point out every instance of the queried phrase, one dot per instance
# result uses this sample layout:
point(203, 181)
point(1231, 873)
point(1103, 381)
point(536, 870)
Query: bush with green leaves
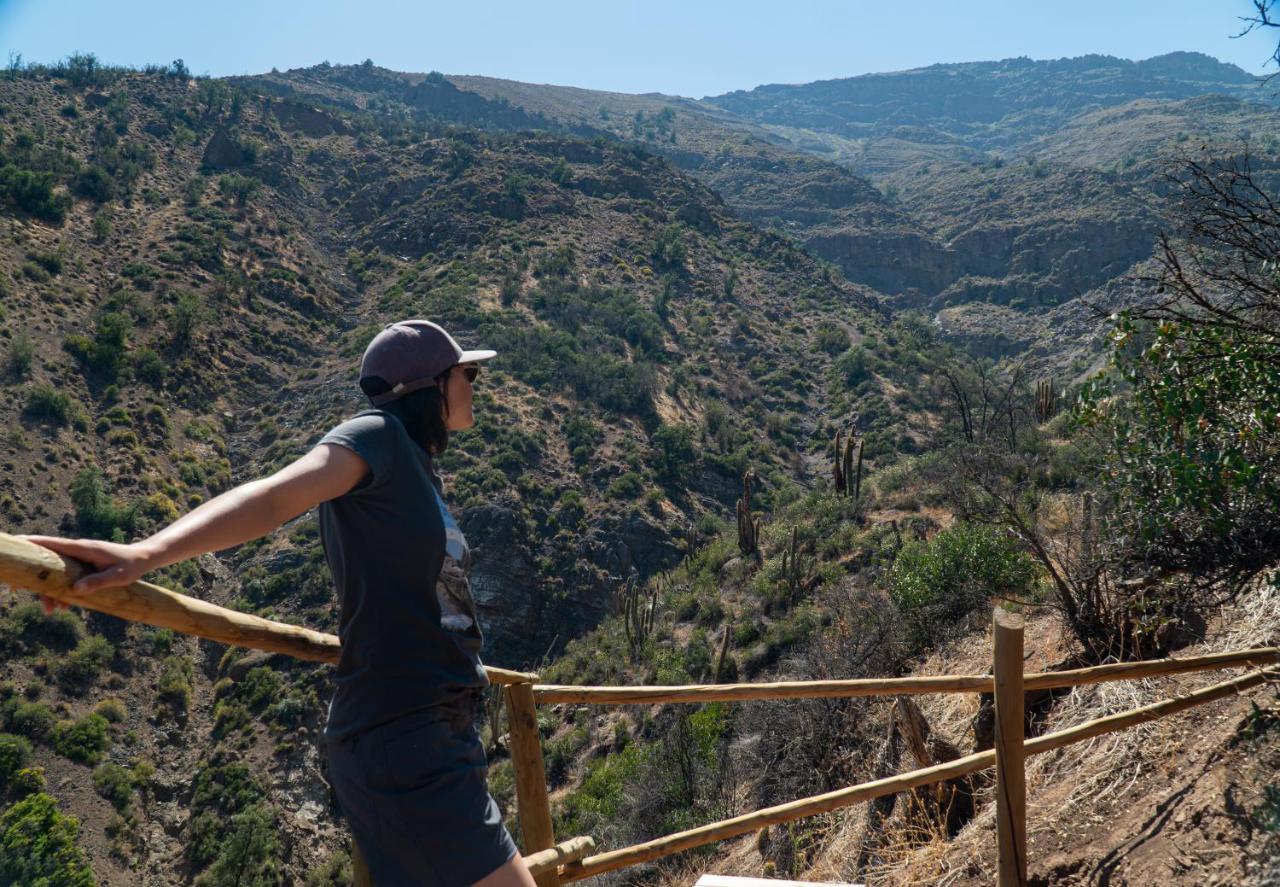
point(98, 515)
point(115, 783)
point(15, 752)
point(238, 188)
point(674, 455)
point(27, 627)
point(46, 402)
point(105, 353)
point(232, 830)
point(20, 356)
point(82, 666)
point(38, 845)
point(174, 687)
point(84, 740)
point(29, 718)
point(937, 584)
point(34, 192)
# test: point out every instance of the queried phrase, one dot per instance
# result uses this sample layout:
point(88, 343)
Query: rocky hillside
point(1012, 200)
point(190, 272)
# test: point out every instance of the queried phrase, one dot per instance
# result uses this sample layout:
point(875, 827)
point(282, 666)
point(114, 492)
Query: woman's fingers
point(113, 567)
point(82, 549)
point(108, 578)
point(51, 604)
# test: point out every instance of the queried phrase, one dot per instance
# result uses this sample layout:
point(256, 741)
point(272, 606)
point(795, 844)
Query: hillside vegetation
point(695, 315)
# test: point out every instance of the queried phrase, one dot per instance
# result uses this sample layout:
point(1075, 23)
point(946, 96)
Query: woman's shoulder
point(367, 421)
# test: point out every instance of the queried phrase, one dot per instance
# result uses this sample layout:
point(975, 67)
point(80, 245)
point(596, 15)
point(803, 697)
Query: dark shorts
point(414, 795)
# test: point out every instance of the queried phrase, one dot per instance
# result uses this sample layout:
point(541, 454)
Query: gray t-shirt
point(410, 639)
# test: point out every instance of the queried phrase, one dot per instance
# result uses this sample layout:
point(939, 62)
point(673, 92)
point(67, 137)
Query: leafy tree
point(1189, 414)
point(674, 454)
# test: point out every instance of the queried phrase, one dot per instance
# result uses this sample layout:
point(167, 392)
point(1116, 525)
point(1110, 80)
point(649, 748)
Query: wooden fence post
point(531, 777)
point(1011, 789)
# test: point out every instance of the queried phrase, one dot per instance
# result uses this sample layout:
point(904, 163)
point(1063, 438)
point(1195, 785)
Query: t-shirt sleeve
point(370, 438)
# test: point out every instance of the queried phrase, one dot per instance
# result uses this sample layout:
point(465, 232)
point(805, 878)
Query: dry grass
point(1072, 786)
point(1068, 790)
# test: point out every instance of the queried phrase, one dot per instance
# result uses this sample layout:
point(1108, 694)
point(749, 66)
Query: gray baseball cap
point(410, 354)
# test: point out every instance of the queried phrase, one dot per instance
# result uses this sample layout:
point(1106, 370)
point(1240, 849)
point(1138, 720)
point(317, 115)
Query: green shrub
point(239, 188)
point(937, 584)
point(84, 740)
point(21, 354)
point(98, 515)
point(105, 352)
point(230, 818)
point(334, 872)
point(38, 845)
point(27, 627)
point(831, 338)
point(174, 688)
point(249, 853)
point(96, 184)
point(25, 782)
point(628, 486)
point(851, 367)
point(82, 665)
point(114, 783)
point(149, 367)
point(189, 314)
point(15, 752)
point(674, 453)
point(46, 402)
point(33, 192)
point(32, 719)
point(113, 710)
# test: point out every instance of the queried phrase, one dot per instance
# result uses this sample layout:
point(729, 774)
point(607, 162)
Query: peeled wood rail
point(31, 566)
point(846, 797)
point(27, 565)
point(548, 694)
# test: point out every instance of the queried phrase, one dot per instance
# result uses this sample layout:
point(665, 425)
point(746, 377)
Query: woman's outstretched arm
point(239, 515)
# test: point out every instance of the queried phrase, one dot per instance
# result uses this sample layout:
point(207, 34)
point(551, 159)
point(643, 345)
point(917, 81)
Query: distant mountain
point(983, 106)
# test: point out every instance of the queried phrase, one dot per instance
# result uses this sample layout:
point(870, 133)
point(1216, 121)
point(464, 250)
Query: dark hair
point(421, 411)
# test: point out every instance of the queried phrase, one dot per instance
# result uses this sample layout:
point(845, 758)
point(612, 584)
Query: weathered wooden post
point(531, 777)
point(1011, 789)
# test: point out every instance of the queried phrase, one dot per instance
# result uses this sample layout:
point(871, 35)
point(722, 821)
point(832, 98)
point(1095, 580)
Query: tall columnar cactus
point(638, 613)
point(748, 527)
point(1046, 406)
point(718, 673)
point(848, 465)
point(794, 573)
point(837, 460)
point(857, 473)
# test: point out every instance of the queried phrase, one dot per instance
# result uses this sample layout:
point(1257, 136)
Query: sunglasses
point(470, 370)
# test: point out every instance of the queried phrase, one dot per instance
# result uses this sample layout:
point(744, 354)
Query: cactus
point(796, 569)
point(748, 528)
point(838, 467)
point(724, 651)
point(638, 613)
point(1046, 406)
point(848, 466)
point(857, 474)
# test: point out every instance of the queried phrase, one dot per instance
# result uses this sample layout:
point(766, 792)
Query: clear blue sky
point(689, 47)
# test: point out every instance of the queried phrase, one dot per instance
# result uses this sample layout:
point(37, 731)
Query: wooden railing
point(30, 566)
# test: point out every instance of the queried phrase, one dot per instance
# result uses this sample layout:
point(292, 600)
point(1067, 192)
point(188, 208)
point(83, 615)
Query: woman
point(404, 754)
